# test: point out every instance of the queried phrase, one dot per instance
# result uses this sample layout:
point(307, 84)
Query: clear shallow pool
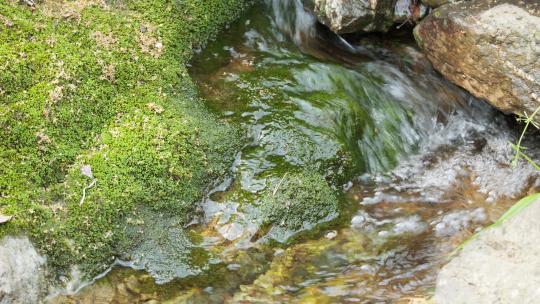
point(362, 170)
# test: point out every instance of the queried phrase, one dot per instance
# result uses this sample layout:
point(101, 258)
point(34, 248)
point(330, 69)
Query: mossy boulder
point(95, 98)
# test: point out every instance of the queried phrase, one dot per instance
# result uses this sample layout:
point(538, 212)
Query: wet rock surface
point(489, 47)
point(499, 266)
point(21, 274)
point(160, 245)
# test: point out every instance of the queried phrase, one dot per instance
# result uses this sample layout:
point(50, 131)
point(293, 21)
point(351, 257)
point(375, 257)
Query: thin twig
point(84, 191)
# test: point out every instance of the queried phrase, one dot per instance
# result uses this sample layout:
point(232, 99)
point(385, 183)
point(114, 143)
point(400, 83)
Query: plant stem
point(517, 147)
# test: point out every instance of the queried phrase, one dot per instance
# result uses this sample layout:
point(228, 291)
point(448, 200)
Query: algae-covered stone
point(297, 202)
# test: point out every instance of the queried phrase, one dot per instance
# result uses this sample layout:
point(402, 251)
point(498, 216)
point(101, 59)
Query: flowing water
point(362, 170)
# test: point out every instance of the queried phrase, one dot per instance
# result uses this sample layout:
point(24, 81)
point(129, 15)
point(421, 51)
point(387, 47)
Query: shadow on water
point(362, 170)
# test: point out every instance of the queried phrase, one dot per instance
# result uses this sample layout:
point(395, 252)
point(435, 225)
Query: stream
point(362, 170)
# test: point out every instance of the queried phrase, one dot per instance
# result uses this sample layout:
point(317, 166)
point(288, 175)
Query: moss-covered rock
point(297, 202)
point(103, 87)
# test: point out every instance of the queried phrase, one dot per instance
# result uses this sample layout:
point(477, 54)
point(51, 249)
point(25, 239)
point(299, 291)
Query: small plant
point(528, 120)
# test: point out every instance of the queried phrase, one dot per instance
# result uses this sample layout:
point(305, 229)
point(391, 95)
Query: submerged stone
point(158, 243)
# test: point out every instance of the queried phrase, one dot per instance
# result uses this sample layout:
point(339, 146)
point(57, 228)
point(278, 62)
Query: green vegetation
point(88, 85)
point(528, 120)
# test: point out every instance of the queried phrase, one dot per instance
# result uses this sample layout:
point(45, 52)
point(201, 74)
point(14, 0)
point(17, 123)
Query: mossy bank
point(95, 99)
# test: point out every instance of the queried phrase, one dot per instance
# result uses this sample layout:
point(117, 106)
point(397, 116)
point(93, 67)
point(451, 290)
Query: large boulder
point(364, 16)
point(489, 47)
point(500, 265)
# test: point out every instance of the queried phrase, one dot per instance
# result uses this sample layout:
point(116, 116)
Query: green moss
point(299, 201)
point(104, 87)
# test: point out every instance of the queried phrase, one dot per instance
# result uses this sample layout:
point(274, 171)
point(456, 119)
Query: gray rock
point(489, 47)
point(501, 265)
point(365, 16)
point(21, 274)
point(348, 16)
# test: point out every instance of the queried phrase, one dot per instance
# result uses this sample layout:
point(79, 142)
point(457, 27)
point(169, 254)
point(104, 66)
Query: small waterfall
point(430, 161)
point(361, 112)
point(291, 20)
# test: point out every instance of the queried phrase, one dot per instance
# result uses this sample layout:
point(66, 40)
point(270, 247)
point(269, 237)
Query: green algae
point(104, 86)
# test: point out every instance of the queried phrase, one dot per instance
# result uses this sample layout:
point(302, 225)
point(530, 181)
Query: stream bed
point(362, 170)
